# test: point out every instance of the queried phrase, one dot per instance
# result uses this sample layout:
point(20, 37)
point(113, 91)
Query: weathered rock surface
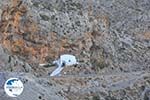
point(120, 86)
point(12, 62)
point(120, 29)
point(110, 37)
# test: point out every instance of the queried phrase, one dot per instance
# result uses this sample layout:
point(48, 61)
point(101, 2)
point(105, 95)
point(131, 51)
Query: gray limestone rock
point(110, 36)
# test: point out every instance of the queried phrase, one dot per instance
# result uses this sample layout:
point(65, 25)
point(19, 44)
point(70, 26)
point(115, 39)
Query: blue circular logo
point(13, 87)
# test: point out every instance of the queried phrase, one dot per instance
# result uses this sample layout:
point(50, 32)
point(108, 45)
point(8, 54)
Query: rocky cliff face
point(107, 36)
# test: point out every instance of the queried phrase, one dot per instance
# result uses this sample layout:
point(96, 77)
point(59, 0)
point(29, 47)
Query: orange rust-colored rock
point(147, 35)
point(16, 21)
point(18, 46)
